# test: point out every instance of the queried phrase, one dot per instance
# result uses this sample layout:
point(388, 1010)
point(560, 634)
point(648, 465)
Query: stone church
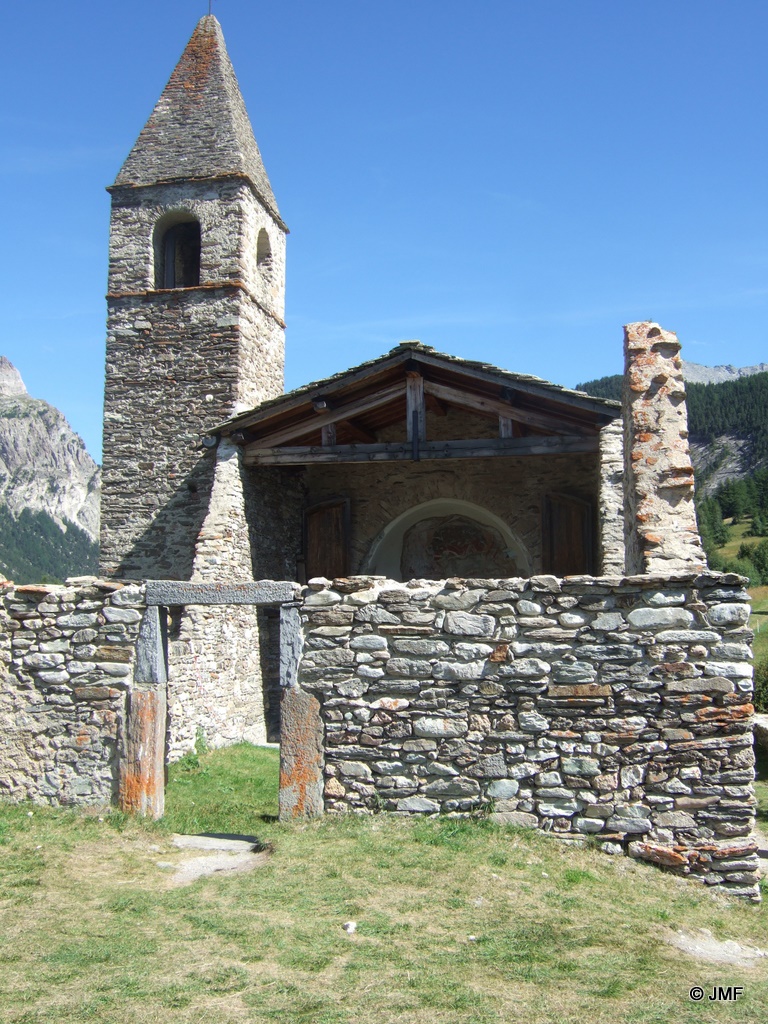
point(413, 465)
point(443, 587)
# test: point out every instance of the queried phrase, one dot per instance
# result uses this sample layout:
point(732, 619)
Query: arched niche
point(264, 253)
point(444, 538)
point(177, 248)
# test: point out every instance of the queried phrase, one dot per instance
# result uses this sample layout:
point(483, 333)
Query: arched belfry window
point(177, 255)
point(263, 252)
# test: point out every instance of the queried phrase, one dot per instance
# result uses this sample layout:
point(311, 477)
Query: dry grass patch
point(457, 921)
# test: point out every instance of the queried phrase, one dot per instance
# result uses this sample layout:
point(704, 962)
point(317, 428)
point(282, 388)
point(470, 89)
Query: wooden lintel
point(342, 412)
point(497, 407)
point(480, 448)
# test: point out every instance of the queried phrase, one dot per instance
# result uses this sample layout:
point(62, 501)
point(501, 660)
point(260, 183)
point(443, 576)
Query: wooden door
point(567, 541)
point(326, 539)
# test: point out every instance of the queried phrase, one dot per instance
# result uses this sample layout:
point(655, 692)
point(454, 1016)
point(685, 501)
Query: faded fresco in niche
point(445, 546)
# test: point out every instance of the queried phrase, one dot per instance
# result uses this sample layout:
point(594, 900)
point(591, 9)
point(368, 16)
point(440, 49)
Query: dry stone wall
point(68, 666)
point(68, 655)
point(613, 707)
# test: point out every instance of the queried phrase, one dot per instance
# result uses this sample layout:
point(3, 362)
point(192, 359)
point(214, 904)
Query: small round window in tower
point(264, 253)
point(178, 256)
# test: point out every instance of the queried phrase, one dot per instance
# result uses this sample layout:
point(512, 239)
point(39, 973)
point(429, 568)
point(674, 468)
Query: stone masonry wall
point(179, 361)
point(513, 489)
point(216, 683)
point(661, 530)
point(611, 510)
point(67, 656)
point(612, 707)
point(67, 667)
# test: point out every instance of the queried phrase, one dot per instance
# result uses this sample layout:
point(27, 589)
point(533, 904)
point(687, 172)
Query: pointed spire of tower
point(200, 127)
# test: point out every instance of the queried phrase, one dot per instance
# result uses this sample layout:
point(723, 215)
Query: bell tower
point(196, 302)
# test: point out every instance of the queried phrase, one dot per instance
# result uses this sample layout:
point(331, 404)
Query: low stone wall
point(616, 708)
point(68, 667)
point(610, 707)
point(67, 658)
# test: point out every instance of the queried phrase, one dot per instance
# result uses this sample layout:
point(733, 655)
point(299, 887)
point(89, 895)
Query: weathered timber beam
point(358, 433)
point(172, 592)
point(253, 418)
point(497, 407)
point(328, 434)
point(341, 412)
point(399, 451)
point(435, 405)
point(521, 385)
point(416, 413)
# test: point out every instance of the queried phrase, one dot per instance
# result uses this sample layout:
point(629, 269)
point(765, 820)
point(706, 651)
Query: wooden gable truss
point(337, 420)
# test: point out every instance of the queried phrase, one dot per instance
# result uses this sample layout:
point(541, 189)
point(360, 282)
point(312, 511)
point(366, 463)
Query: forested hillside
point(33, 549)
point(735, 408)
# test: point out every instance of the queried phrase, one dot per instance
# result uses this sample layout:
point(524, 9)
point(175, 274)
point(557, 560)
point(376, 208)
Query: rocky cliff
point(695, 373)
point(44, 466)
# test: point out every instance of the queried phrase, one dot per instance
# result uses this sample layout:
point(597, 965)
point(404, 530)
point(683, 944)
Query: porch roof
point(337, 419)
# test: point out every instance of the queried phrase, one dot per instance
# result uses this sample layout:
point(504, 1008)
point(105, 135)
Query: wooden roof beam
point(399, 451)
point(357, 432)
point(322, 419)
point(497, 407)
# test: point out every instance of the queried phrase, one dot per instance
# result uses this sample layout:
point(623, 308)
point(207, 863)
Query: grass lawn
point(457, 921)
point(736, 537)
point(759, 595)
point(759, 622)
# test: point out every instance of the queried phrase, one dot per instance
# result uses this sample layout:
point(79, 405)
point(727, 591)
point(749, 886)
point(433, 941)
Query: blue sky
point(508, 180)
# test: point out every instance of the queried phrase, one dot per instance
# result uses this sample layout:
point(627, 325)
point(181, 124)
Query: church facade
point(442, 586)
point(416, 464)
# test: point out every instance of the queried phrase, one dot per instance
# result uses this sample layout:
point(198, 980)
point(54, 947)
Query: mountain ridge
point(46, 477)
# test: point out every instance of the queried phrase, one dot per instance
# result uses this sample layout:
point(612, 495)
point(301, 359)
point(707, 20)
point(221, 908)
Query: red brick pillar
point(660, 521)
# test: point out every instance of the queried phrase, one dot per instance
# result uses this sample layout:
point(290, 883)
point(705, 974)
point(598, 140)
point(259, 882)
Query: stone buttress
point(196, 305)
point(660, 519)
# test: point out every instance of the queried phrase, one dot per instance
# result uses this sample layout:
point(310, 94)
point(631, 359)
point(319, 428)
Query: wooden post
point(302, 755)
point(142, 762)
point(416, 418)
point(141, 783)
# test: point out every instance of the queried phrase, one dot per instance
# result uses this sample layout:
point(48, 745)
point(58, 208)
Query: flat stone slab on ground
point(704, 946)
point(190, 870)
point(223, 843)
